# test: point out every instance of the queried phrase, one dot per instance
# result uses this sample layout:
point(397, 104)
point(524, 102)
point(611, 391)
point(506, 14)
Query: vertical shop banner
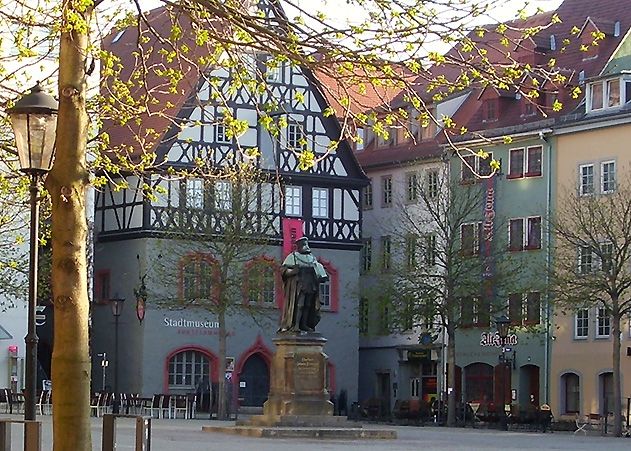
point(292, 230)
point(488, 229)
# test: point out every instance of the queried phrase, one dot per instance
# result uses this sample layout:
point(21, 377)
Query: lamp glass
point(35, 139)
point(502, 323)
point(117, 306)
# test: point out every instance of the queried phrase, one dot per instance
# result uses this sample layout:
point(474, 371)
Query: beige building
point(592, 154)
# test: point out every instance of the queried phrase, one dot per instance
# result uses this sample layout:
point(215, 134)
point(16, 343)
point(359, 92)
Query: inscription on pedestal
point(308, 375)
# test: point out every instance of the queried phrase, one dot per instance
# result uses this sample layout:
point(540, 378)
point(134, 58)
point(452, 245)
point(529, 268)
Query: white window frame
point(220, 130)
point(177, 366)
point(366, 255)
point(606, 99)
point(584, 326)
point(602, 321)
point(527, 173)
point(431, 250)
point(589, 95)
point(476, 236)
point(523, 234)
point(610, 189)
point(581, 177)
point(583, 253)
point(527, 233)
point(368, 198)
point(273, 74)
point(523, 163)
point(387, 191)
point(223, 195)
point(610, 252)
point(320, 202)
point(605, 87)
point(325, 295)
point(295, 136)
point(432, 183)
point(475, 166)
point(195, 193)
point(361, 140)
point(386, 252)
point(293, 200)
point(411, 187)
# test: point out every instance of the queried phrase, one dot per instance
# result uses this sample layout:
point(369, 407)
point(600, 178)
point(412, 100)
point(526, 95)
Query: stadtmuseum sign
point(191, 324)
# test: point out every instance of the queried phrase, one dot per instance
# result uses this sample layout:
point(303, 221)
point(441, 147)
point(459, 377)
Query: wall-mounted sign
point(493, 339)
point(193, 324)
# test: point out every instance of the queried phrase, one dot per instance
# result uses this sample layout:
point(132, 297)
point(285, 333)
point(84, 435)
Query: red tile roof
point(569, 61)
point(163, 101)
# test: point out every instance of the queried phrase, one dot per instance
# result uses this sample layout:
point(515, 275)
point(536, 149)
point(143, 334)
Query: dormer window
point(607, 94)
point(489, 110)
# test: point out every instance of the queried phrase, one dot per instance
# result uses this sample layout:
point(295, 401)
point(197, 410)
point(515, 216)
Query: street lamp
point(117, 309)
point(503, 323)
point(34, 120)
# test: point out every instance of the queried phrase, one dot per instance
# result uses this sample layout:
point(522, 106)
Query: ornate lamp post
point(503, 323)
point(34, 120)
point(117, 309)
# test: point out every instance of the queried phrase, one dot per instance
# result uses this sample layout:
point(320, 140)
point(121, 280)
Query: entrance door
point(255, 375)
point(529, 385)
point(383, 393)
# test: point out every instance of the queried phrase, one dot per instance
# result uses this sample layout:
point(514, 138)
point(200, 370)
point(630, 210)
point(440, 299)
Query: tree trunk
point(451, 377)
point(617, 396)
point(221, 383)
point(67, 186)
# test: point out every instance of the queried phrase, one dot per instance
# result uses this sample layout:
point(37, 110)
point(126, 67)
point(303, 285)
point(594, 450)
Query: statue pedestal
point(298, 405)
point(298, 378)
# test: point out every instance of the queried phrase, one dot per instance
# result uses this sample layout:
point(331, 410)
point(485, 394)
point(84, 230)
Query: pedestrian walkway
point(186, 435)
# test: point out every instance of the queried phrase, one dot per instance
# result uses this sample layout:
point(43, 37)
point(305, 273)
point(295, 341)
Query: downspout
point(547, 345)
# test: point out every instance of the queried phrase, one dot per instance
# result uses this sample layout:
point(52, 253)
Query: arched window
point(570, 383)
point(197, 273)
point(261, 282)
point(187, 369)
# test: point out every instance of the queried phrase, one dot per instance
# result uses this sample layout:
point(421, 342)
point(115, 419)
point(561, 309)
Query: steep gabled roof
point(149, 127)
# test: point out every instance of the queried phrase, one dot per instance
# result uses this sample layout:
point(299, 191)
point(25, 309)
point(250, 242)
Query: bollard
point(5, 435)
point(143, 432)
point(32, 434)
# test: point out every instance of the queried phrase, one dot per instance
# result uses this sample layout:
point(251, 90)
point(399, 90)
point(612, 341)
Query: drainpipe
point(546, 379)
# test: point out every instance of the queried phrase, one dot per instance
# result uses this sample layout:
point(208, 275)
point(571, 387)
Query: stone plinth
point(298, 405)
point(298, 378)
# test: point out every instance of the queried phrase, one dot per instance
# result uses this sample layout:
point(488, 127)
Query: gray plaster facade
point(145, 348)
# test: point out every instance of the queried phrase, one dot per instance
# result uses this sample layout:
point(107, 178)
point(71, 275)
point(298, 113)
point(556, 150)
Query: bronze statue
point(302, 275)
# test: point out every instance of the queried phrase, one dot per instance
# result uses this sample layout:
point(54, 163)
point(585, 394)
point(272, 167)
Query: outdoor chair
point(180, 404)
point(165, 406)
point(42, 400)
point(585, 423)
point(192, 405)
point(16, 401)
point(153, 409)
point(4, 399)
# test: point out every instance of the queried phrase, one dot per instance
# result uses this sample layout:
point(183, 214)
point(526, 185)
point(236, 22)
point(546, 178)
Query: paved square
point(186, 435)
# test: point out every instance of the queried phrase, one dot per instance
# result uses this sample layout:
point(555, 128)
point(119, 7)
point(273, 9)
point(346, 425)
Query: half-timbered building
point(175, 350)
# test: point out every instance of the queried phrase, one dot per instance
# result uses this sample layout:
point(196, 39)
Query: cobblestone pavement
point(186, 435)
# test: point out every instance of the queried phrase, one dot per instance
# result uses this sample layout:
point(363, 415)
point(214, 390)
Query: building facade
point(175, 348)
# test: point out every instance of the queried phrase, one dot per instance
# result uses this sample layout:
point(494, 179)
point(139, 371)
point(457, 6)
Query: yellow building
point(592, 153)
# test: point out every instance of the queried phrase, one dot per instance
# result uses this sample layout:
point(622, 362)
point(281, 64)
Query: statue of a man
point(302, 275)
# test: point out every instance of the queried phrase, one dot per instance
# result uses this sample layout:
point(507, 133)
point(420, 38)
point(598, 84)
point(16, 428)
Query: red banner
point(292, 230)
